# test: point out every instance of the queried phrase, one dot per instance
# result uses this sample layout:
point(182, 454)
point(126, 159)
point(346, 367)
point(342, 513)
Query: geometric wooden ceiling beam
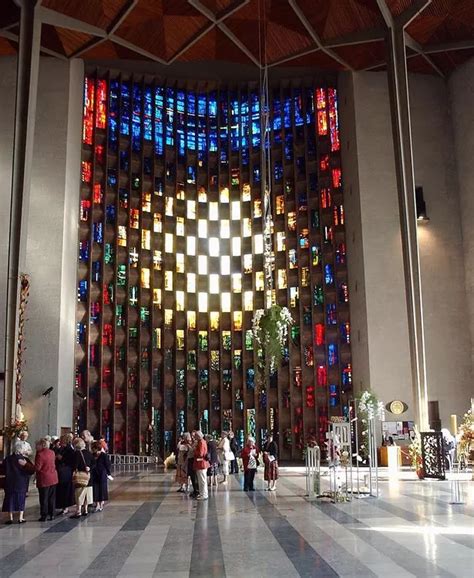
point(302, 17)
point(54, 18)
point(448, 46)
point(15, 38)
point(402, 21)
point(219, 23)
point(360, 37)
point(294, 56)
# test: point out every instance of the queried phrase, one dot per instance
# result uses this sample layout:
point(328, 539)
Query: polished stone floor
point(148, 529)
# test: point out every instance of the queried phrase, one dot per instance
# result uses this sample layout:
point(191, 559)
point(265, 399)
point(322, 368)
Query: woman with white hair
point(250, 462)
point(46, 478)
point(18, 470)
point(83, 463)
point(225, 455)
point(201, 464)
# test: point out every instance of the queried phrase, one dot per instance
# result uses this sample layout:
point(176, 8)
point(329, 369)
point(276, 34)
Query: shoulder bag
point(81, 479)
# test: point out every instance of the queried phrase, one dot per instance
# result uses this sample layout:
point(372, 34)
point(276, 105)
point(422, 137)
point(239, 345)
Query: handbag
point(29, 467)
point(81, 479)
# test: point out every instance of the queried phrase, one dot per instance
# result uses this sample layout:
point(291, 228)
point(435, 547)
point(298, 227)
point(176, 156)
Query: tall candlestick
point(454, 424)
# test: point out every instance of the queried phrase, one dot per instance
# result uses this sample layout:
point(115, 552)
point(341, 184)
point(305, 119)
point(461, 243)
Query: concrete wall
point(448, 339)
point(7, 106)
point(50, 242)
point(461, 94)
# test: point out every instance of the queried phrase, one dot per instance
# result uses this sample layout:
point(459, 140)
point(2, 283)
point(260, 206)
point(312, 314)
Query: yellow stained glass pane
point(157, 297)
point(224, 196)
point(180, 226)
point(280, 205)
point(191, 320)
point(281, 241)
point(168, 317)
point(145, 278)
point(237, 282)
point(248, 300)
point(246, 193)
point(202, 195)
point(191, 209)
point(157, 223)
point(248, 263)
point(281, 278)
point(179, 300)
point(257, 208)
point(157, 260)
point(179, 263)
point(146, 202)
point(259, 281)
point(168, 280)
point(214, 320)
point(122, 236)
point(146, 239)
point(237, 320)
point(246, 227)
point(169, 206)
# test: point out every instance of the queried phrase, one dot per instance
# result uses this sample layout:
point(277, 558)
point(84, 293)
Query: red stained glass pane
point(322, 122)
point(88, 114)
point(333, 120)
point(101, 104)
point(336, 178)
point(322, 376)
point(97, 193)
point(86, 171)
point(320, 98)
point(319, 334)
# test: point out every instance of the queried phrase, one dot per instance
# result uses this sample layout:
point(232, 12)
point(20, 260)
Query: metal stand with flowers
point(465, 449)
point(368, 410)
point(414, 449)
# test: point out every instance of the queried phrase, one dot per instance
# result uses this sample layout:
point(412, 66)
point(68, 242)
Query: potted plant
point(414, 449)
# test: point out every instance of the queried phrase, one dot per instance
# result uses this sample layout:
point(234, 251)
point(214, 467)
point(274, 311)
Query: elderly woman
point(250, 463)
point(225, 455)
point(46, 478)
point(17, 475)
point(182, 463)
point(270, 459)
point(201, 464)
point(101, 473)
point(83, 462)
point(65, 460)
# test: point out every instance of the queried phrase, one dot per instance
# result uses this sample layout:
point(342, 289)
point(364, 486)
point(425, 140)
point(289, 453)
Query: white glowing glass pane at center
point(191, 212)
point(236, 246)
point(214, 211)
point(191, 282)
point(202, 302)
point(202, 229)
point(225, 302)
point(258, 244)
point(191, 245)
point(214, 283)
point(202, 265)
point(235, 210)
point(225, 229)
point(168, 242)
point(225, 265)
point(214, 247)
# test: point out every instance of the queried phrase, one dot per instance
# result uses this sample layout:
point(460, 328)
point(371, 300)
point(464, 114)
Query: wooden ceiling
point(322, 34)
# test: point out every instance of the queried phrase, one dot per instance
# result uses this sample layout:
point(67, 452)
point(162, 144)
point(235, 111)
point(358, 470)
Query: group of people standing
point(200, 459)
point(70, 472)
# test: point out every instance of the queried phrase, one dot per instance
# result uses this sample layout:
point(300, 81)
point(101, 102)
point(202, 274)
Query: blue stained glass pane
point(111, 177)
point(212, 104)
point(180, 123)
point(289, 146)
point(113, 114)
point(256, 133)
point(159, 148)
point(202, 127)
point(84, 250)
point(96, 271)
point(148, 114)
point(287, 112)
point(333, 357)
point(137, 118)
point(234, 124)
point(309, 106)
point(299, 120)
point(244, 128)
point(82, 291)
point(170, 104)
point(191, 122)
point(223, 127)
point(328, 275)
point(125, 109)
point(97, 232)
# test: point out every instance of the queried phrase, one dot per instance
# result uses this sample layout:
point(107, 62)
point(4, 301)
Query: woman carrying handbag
point(18, 470)
point(81, 477)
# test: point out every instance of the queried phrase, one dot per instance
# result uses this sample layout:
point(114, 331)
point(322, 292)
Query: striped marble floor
point(148, 529)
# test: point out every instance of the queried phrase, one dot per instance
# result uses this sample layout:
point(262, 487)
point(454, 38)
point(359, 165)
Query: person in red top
point(46, 478)
point(201, 464)
point(250, 462)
